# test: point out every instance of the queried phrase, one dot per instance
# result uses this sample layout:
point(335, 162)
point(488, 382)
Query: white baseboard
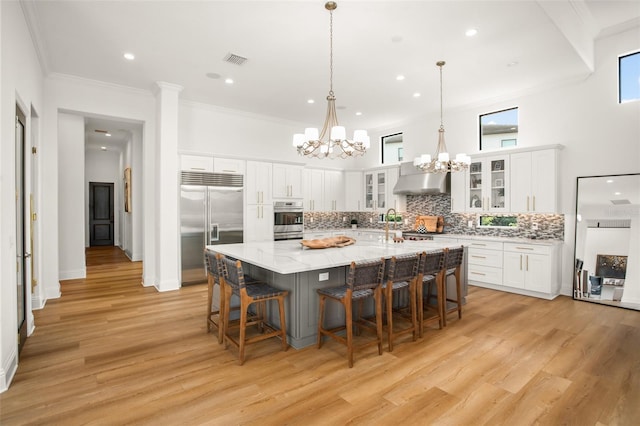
point(37, 303)
point(73, 274)
point(8, 370)
point(168, 285)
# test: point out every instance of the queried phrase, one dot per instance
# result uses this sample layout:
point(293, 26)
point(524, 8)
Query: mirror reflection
point(607, 246)
point(499, 129)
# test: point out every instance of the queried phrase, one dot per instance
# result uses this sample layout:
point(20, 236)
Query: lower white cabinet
point(484, 261)
point(530, 267)
point(259, 223)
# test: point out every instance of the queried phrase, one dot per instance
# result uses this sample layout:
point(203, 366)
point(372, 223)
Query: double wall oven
point(288, 220)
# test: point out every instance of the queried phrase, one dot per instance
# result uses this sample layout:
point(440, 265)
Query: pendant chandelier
point(312, 144)
point(441, 163)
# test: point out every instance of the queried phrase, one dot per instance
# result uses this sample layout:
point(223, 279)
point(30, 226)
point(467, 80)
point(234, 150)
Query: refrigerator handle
point(214, 234)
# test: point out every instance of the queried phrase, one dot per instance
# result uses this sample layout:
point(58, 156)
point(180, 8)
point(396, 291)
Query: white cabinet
point(258, 225)
point(484, 261)
point(534, 181)
point(258, 182)
point(488, 184)
point(287, 181)
point(353, 196)
point(528, 267)
point(228, 165)
point(458, 194)
point(196, 163)
point(378, 190)
point(313, 189)
point(333, 190)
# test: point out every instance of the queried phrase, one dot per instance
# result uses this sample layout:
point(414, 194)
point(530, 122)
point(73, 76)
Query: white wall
point(20, 82)
point(611, 241)
point(71, 193)
point(103, 166)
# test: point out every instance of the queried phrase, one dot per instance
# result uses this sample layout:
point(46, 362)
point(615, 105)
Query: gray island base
point(289, 266)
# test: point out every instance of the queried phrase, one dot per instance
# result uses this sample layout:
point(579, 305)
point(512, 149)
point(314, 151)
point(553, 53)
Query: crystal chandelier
point(337, 145)
point(441, 163)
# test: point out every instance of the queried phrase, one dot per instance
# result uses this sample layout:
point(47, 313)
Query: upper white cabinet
point(458, 193)
point(228, 165)
point(258, 182)
point(313, 189)
point(196, 163)
point(534, 178)
point(488, 184)
point(287, 181)
point(378, 190)
point(333, 190)
point(353, 195)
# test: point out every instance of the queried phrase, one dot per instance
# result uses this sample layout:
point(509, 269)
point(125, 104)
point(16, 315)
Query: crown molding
point(103, 84)
point(30, 12)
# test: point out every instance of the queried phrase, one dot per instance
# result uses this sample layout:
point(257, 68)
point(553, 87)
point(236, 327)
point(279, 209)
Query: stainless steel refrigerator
point(210, 214)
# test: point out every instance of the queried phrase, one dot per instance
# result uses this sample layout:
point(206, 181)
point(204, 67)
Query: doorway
point(100, 214)
point(21, 234)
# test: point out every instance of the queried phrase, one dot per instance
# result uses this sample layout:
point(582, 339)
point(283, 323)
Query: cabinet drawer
point(489, 245)
point(485, 274)
point(228, 165)
point(527, 248)
point(484, 257)
point(196, 163)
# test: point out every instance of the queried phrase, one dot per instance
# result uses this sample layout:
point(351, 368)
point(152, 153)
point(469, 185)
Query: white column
point(166, 188)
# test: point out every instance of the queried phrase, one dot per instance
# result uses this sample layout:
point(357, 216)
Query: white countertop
point(289, 257)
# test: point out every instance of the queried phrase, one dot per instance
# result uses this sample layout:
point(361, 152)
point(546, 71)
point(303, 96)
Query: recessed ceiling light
point(104, 148)
point(400, 77)
point(129, 56)
point(416, 95)
point(311, 101)
point(108, 134)
point(358, 113)
point(617, 193)
point(228, 80)
point(471, 32)
point(609, 180)
point(213, 75)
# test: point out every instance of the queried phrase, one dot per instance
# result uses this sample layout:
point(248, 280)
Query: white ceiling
point(286, 43)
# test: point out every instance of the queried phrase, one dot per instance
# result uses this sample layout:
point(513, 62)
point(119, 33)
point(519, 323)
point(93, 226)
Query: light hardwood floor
point(110, 351)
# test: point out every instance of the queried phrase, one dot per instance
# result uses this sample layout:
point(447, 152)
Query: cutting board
point(431, 223)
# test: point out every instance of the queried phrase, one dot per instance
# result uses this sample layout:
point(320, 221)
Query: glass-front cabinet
point(375, 189)
point(487, 185)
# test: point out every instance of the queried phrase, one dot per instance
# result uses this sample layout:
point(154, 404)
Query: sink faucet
point(386, 226)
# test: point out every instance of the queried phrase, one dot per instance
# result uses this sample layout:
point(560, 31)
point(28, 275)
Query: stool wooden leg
point(459, 293)
point(442, 299)
point(412, 299)
point(244, 308)
point(283, 324)
point(419, 294)
point(321, 320)
point(348, 312)
point(378, 299)
point(210, 302)
point(224, 322)
point(389, 303)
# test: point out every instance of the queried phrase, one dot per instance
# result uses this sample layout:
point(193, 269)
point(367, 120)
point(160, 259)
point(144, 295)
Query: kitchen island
point(301, 271)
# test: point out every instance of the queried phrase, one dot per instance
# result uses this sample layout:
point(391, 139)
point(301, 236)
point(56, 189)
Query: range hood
point(414, 181)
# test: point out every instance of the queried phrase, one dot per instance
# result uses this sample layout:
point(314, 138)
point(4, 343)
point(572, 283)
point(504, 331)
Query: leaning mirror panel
point(607, 245)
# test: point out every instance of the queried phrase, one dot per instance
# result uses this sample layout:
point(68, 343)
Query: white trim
point(8, 371)
point(102, 84)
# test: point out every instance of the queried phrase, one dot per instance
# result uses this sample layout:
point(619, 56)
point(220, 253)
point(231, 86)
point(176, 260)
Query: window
point(498, 221)
point(392, 149)
point(629, 77)
point(499, 129)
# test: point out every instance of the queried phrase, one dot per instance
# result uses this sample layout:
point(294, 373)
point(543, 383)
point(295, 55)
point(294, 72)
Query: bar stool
point(402, 273)
point(452, 266)
point(364, 280)
point(233, 282)
point(430, 273)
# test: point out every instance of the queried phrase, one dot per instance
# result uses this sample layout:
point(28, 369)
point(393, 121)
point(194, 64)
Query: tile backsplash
point(550, 226)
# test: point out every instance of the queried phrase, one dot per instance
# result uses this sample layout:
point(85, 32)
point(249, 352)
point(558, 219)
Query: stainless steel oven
point(288, 220)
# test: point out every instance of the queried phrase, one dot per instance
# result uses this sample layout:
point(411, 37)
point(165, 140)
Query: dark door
point(100, 214)
point(21, 234)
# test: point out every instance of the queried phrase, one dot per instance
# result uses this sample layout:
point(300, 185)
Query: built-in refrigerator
point(210, 214)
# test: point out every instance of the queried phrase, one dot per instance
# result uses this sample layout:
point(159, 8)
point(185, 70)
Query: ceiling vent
point(235, 59)
point(620, 202)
